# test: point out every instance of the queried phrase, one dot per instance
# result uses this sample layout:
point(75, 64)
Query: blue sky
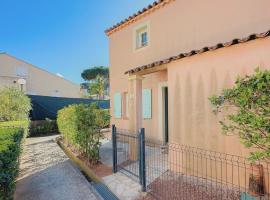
point(62, 36)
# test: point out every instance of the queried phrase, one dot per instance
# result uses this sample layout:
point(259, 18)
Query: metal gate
point(129, 154)
point(176, 171)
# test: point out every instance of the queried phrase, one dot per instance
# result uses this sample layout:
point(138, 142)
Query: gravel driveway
point(47, 173)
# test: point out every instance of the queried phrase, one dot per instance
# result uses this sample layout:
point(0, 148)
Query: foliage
point(10, 148)
point(98, 87)
point(98, 81)
point(15, 105)
point(80, 126)
point(92, 73)
point(16, 124)
point(43, 128)
point(246, 107)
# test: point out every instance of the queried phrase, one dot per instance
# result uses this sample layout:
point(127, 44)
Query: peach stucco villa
point(167, 59)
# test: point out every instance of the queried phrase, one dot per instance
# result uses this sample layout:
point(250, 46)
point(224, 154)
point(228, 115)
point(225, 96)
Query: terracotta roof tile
point(199, 51)
point(140, 12)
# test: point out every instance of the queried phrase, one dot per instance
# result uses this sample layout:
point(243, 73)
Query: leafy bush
point(44, 127)
point(80, 126)
point(10, 148)
point(16, 124)
point(15, 105)
point(246, 107)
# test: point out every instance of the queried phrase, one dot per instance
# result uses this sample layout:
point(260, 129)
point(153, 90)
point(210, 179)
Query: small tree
point(92, 73)
point(248, 108)
point(98, 87)
point(97, 81)
point(14, 105)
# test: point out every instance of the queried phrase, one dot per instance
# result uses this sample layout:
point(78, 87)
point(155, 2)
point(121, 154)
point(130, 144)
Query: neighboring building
point(33, 80)
point(166, 60)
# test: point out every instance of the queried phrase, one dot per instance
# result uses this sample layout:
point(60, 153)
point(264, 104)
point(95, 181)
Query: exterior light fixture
point(21, 82)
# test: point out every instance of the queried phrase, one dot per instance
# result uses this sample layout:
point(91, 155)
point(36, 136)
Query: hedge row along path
point(47, 173)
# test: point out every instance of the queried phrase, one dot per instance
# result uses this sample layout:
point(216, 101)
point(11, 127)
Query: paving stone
point(122, 186)
point(46, 173)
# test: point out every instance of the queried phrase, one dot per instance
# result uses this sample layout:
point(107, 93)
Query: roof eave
point(141, 13)
point(202, 50)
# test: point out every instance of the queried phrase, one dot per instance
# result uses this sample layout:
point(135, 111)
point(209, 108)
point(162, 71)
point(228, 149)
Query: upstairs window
point(141, 36)
point(143, 39)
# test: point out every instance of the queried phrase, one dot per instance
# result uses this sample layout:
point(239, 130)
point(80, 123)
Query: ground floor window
point(147, 103)
point(117, 105)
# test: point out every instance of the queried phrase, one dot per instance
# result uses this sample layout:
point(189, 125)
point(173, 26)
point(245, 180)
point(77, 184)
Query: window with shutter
point(147, 103)
point(117, 105)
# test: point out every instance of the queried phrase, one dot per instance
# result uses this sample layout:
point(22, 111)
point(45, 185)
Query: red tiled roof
point(131, 18)
point(202, 50)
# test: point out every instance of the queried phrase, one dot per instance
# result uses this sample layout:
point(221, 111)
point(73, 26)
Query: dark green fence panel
point(47, 107)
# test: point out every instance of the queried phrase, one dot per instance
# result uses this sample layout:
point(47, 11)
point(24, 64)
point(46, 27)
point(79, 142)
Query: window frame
point(138, 31)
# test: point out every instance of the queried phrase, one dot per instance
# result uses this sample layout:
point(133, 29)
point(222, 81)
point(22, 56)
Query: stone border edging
point(84, 168)
point(91, 175)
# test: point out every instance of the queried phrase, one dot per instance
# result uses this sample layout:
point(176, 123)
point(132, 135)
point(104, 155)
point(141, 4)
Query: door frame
point(161, 111)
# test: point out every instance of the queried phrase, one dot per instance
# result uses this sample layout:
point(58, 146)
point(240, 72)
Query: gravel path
point(46, 173)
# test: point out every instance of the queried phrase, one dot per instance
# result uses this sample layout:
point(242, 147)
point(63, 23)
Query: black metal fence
point(183, 172)
point(129, 154)
point(175, 171)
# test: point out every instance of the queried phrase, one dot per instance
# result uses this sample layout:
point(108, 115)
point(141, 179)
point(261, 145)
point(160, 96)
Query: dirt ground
point(100, 169)
point(181, 187)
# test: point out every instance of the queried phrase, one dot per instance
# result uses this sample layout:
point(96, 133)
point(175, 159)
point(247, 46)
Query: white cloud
point(60, 75)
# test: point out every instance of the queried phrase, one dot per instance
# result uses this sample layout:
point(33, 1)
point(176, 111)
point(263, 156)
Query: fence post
point(142, 160)
point(114, 147)
point(140, 157)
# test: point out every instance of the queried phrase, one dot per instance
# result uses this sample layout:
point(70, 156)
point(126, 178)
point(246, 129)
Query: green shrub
point(246, 111)
point(16, 124)
point(10, 148)
point(45, 127)
point(80, 126)
point(15, 105)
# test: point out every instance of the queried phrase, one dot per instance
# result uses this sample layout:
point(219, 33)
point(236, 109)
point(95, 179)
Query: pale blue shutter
point(117, 105)
point(147, 103)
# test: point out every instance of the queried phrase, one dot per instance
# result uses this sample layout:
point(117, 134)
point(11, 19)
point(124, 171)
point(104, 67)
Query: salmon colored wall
point(179, 27)
point(38, 81)
point(151, 125)
point(150, 81)
point(193, 79)
point(184, 25)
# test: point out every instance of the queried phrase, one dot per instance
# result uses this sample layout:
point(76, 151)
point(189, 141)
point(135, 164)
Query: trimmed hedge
point(15, 105)
point(16, 124)
point(10, 148)
point(80, 127)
